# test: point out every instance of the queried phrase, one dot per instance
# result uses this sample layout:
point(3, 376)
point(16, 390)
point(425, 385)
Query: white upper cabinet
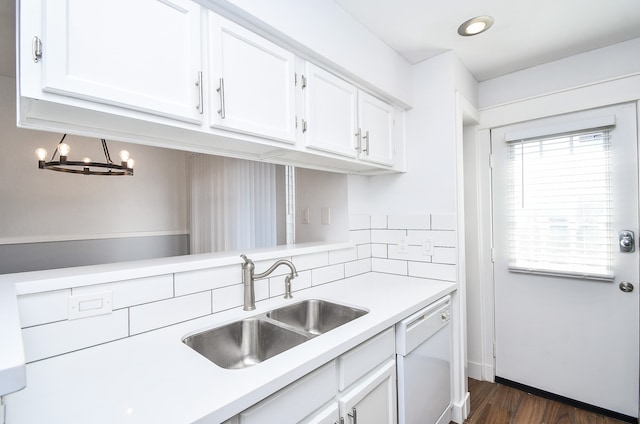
point(341, 119)
point(330, 122)
point(138, 54)
point(376, 130)
point(252, 82)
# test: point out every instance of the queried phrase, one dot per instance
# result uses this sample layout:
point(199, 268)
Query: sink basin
point(244, 343)
point(316, 316)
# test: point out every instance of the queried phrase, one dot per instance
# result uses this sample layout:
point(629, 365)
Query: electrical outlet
point(305, 216)
point(402, 244)
point(427, 248)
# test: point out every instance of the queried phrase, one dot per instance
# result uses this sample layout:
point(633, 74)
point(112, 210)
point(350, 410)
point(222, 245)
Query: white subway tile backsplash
point(443, 222)
point(133, 292)
point(207, 279)
point(42, 308)
point(359, 222)
point(364, 251)
point(360, 236)
point(389, 266)
point(327, 274)
point(261, 289)
point(343, 255)
point(379, 222)
point(151, 303)
point(433, 271)
point(445, 255)
point(313, 260)
point(411, 253)
point(302, 281)
point(387, 236)
point(357, 267)
point(379, 251)
point(437, 238)
point(166, 312)
point(44, 341)
point(228, 297)
point(410, 222)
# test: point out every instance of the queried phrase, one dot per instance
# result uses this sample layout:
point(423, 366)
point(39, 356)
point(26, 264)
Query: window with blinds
point(560, 215)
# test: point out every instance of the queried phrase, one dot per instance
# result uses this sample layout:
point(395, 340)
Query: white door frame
point(604, 93)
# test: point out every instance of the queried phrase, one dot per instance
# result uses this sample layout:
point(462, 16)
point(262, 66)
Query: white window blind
point(560, 216)
point(232, 204)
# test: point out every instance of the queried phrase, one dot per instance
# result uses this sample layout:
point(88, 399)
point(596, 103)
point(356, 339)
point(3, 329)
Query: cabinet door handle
point(353, 415)
point(220, 90)
point(200, 105)
point(36, 48)
point(358, 141)
point(366, 137)
point(304, 126)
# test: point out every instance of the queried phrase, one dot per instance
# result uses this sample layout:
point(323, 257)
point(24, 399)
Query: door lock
point(627, 241)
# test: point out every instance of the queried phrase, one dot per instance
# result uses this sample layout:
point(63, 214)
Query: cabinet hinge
point(491, 161)
point(494, 350)
point(296, 121)
point(36, 48)
point(493, 255)
point(295, 79)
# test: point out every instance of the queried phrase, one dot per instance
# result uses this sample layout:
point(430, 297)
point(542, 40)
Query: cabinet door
point(373, 401)
point(137, 54)
point(376, 126)
point(252, 85)
point(328, 415)
point(330, 113)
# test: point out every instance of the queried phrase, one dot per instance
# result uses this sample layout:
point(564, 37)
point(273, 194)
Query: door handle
point(627, 241)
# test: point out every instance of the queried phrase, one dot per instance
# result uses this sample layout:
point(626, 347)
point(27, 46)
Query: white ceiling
point(525, 33)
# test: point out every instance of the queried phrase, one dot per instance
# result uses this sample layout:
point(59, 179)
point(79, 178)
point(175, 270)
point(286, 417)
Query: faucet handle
point(246, 260)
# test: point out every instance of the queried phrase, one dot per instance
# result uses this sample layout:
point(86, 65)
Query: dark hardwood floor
point(493, 403)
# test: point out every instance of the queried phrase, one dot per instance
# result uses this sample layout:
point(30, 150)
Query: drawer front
point(365, 357)
point(296, 401)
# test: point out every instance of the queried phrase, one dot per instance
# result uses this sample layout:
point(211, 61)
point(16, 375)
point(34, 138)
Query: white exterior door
point(98, 51)
point(571, 335)
point(252, 84)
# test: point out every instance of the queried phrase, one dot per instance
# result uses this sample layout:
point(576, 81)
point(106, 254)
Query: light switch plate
point(92, 304)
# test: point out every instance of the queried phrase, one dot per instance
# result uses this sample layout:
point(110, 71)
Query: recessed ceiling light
point(475, 25)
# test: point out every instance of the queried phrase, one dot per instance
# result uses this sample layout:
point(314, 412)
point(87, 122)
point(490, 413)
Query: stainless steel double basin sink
point(247, 342)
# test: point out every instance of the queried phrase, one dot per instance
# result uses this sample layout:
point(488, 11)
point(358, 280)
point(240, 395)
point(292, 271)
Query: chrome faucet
point(248, 277)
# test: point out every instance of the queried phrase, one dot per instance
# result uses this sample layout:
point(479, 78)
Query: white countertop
point(155, 378)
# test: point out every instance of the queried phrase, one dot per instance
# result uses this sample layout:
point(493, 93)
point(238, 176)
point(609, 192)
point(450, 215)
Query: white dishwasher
point(423, 348)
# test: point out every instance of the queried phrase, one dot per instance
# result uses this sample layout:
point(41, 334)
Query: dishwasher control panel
point(415, 329)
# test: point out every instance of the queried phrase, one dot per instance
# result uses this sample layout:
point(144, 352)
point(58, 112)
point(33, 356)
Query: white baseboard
point(460, 411)
point(482, 372)
point(474, 370)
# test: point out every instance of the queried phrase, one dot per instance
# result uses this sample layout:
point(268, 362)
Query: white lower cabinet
point(373, 400)
point(294, 402)
point(357, 387)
